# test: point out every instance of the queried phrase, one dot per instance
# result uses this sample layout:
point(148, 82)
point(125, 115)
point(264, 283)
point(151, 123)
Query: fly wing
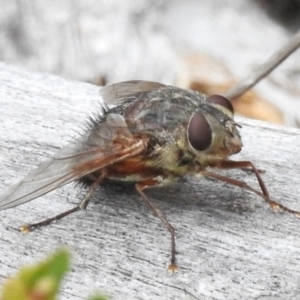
point(115, 93)
point(108, 142)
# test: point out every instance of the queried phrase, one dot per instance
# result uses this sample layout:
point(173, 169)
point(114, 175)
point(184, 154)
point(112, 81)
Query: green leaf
point(39, 282)
point(99, 297)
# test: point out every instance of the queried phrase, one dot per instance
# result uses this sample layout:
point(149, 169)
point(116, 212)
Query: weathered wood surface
point(230, 244)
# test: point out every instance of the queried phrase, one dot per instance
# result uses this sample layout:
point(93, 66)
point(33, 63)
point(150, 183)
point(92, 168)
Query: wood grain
point(230, 244)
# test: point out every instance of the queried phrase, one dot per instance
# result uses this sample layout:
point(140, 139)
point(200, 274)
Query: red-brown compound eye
point(199, 132)
point(220, 100)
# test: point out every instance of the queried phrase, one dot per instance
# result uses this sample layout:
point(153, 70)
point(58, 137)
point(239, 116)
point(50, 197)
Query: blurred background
point(198, 44)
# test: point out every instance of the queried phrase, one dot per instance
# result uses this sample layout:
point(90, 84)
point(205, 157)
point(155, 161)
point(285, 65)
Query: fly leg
point(264, 194)
point(147, 184)
point(82, 205)
point(230, 164)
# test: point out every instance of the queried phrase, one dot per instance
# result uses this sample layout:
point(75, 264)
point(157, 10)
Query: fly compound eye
point(199, 132)
point(220, 100)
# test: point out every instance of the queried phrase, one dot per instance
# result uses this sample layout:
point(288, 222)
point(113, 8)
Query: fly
point(154, 135)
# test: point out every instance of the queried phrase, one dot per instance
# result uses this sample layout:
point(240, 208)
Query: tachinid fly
point(154, 135)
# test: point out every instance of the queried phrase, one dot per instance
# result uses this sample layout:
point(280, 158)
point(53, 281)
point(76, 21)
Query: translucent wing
point(108, 142)
point(115, 93)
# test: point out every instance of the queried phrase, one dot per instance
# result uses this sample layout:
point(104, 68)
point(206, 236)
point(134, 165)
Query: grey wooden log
point(230, 244)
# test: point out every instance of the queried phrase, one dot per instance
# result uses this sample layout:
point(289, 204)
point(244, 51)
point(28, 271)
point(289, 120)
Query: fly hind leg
point(82, 205)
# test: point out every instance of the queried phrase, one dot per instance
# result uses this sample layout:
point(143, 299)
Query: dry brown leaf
point(209, 76)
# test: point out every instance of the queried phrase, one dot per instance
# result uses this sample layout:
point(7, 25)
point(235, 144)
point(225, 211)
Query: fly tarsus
point(83, 205)
point(273, 204)
point(31, 227)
